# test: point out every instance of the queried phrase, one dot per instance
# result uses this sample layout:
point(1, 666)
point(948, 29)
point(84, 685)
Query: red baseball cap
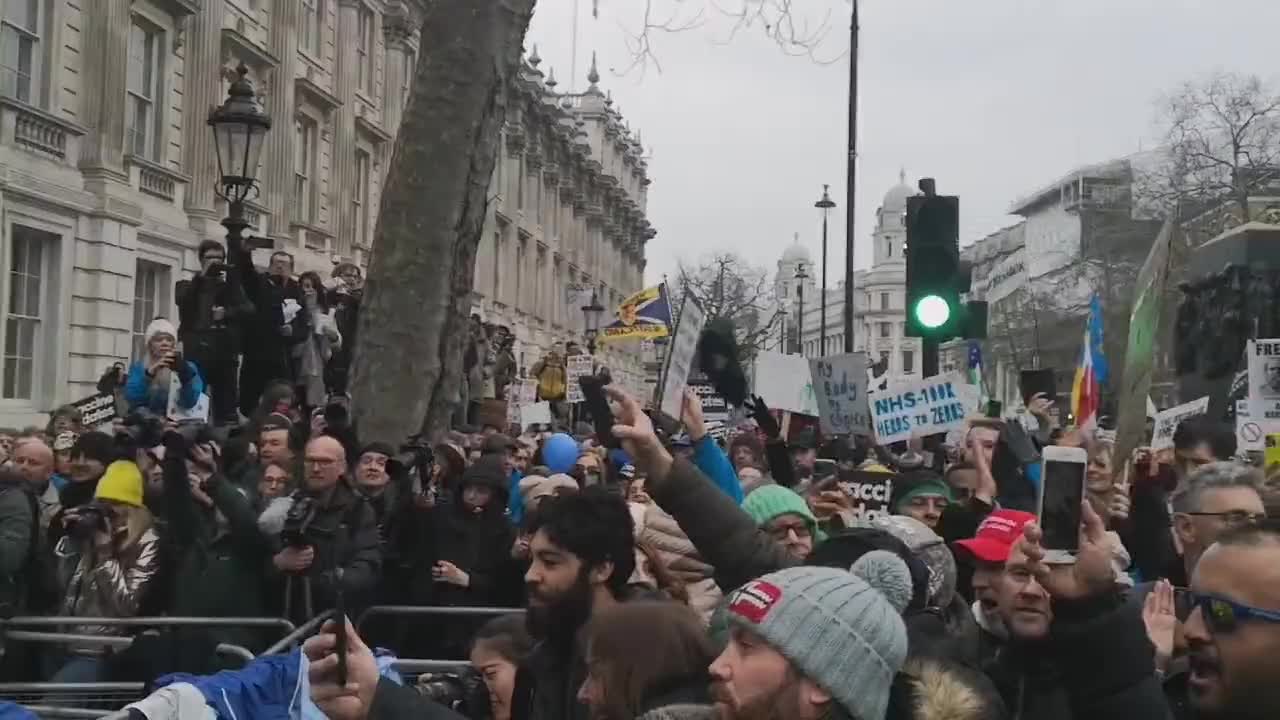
point(996, 535)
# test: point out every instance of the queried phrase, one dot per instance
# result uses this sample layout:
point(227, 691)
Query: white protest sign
point(785, 382)
point(1264, 381)
point(1250, 435)
point(539, 413)
point(840, 384)
point(1167, 421)
point(577, 366)
point(513, 414)
point(922, 407)
point(684, 345)
point(527, 393)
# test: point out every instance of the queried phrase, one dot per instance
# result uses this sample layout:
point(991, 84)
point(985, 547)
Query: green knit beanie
point(769, 501)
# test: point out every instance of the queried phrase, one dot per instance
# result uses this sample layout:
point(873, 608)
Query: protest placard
point(1264, 381)
point(527, 392)
point(97, 410)
point(1250, 433)
point(196, 413)
point(922, 407)
point(577, 366)
point(684, 345)
point(785, 382)
point(714, 407)
point(513, 414)
point(539, 413)
point(840, 385)
point(869, 491)
point(1167, 421)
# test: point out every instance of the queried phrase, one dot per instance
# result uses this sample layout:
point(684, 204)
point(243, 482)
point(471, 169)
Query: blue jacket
point(267, 688)
point(711, 460)
point(140, 394)
point(515, 501)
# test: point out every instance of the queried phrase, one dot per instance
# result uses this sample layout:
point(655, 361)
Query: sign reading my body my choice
point(920, 408)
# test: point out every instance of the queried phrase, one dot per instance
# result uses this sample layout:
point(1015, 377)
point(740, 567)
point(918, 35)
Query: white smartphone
point(1062, 486)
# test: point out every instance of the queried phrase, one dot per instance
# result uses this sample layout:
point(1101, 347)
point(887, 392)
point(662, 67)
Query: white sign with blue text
point(840, 384)
point(923, 407)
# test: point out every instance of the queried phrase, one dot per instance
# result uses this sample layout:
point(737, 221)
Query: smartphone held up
point(1062, 492)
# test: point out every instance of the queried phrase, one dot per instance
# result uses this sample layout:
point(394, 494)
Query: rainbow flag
point(1091, 373)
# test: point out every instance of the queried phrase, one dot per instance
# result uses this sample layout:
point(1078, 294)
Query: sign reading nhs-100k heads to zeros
point(922, 407)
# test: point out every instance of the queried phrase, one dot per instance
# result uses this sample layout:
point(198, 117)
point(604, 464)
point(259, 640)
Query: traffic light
point(934, 274)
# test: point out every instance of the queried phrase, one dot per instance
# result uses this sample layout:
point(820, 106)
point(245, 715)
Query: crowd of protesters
point(676, 576)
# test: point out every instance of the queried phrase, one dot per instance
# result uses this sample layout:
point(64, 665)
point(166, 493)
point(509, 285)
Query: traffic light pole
point(928, 357)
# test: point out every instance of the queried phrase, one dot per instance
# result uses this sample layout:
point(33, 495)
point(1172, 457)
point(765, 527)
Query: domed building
point(879, 296)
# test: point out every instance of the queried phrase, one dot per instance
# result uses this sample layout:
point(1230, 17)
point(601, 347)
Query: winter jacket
point(547, 683)
point(361, 558)
point(928, 689)
point(110, 586)
point(217, 569)
point(1029, 681)
point(661, 532)
point(712, 461)
point(684, 699)
point(1107, 669)
point(141, 392)
point(18, 530)
point(479, 544)
point(268, 687)
point(196, 299)
point(724, 535)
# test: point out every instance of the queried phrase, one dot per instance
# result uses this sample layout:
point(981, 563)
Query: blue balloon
point(560, 453)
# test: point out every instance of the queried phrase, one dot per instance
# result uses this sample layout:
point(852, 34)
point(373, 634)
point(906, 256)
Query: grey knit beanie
point(841, 630)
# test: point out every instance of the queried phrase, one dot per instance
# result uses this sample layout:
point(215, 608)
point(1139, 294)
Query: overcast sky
point(994, 98)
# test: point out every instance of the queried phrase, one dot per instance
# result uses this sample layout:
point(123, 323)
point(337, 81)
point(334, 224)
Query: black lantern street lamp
point(825, 205)
point(592, 313)
point(801, 275)
point(239, 127)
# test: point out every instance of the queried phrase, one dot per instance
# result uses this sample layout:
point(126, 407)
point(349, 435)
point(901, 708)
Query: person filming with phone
point(212, 306)
point(162, 373)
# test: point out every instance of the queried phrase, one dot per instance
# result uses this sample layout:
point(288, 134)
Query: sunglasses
point(1220, 614)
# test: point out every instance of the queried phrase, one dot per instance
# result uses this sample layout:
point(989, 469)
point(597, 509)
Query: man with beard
point(1233, 631)
point(987, 552)
point(582, 553)
point(814, 643)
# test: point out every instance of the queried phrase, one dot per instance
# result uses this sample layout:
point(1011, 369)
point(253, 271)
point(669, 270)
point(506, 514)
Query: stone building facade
point(107, 171)
point(567, 217)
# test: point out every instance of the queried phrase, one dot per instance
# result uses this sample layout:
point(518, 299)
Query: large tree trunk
point(407, 368)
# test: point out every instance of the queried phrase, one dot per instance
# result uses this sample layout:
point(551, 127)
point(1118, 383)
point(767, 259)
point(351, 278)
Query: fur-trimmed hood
point(681, 712)
point(929, 689)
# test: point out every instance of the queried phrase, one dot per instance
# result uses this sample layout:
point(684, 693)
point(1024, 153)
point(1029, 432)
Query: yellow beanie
point(122, 483)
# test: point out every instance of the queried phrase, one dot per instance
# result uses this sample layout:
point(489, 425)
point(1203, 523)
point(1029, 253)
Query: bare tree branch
point(728, 288)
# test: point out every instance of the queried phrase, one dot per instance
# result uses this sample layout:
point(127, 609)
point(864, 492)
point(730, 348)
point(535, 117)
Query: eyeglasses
point(780, 532)
point(1234, 518)
point(321, 462)
point(1222, 615)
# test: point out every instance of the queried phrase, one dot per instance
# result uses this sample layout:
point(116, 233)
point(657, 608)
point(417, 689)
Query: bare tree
point(408, 363)
point(728, 288)
point(1221, 146)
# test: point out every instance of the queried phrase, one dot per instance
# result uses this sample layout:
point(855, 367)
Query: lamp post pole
point(825, 205)
point(851, 181)
point(801, 275)
point(239, 127)
point(591, 314)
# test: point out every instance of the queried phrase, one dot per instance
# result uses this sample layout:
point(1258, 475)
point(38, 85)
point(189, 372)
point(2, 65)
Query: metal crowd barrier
point(113, 641)
point(159, 621)
point(464, 611)
point(287, 643)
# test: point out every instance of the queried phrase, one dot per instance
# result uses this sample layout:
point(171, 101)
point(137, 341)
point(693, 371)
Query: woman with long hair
point(312, 354)
point(107, 560)
point(644, 657)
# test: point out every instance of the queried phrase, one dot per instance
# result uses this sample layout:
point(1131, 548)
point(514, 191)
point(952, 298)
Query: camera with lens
point(297, 523)
point(140, 430)
point(463, 692)
point(89, 520)
point(416, 453)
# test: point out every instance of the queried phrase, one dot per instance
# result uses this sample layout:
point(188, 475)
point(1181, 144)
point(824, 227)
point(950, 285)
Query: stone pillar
point(106, 53)
point(202, 92)
point(344, 142)
point(397, 28)
point(277, 180)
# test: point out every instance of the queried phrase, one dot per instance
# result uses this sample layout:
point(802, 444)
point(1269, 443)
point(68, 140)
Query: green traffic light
point(932, 312)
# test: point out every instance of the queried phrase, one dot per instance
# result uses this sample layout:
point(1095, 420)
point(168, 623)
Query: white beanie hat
point(160, 326)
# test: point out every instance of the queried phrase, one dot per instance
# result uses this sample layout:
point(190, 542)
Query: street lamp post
point(825, 205)
point(801, 275)
point(239, 127)
point(592, 314)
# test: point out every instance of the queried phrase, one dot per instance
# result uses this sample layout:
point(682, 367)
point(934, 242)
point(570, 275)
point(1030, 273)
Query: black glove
point(183, 368)
point(760, 412)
